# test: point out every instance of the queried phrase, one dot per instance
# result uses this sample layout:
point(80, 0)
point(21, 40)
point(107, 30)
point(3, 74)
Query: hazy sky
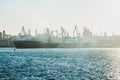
point(98, 15)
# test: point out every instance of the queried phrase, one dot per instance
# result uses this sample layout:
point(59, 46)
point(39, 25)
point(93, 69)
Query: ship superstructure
point(51, 39)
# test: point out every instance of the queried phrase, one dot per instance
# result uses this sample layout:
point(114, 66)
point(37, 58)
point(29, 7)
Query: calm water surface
point(60, 64)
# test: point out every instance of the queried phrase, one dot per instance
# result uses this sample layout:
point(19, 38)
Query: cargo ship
point(49, 39)
point(62, 39)
point(39, 44)
point(54, 43)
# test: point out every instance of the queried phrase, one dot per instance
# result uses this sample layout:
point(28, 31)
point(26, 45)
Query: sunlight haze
point(98, 15)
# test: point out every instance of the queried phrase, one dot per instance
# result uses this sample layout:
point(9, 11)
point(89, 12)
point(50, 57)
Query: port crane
point(76, 31)
point(63, 34)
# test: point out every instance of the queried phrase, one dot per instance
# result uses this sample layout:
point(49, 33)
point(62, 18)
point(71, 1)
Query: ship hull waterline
point(39, 44)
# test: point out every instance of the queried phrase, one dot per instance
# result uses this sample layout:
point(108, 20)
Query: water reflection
point(60, 64)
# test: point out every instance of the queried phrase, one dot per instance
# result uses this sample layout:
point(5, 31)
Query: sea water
point(60, 64)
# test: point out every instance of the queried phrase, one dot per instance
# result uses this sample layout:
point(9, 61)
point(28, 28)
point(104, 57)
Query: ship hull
point(34, 44)
point(39, 44)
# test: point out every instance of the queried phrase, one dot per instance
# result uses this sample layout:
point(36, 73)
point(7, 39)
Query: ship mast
point(48, 35)
point(23, 32)
point(29, 31)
